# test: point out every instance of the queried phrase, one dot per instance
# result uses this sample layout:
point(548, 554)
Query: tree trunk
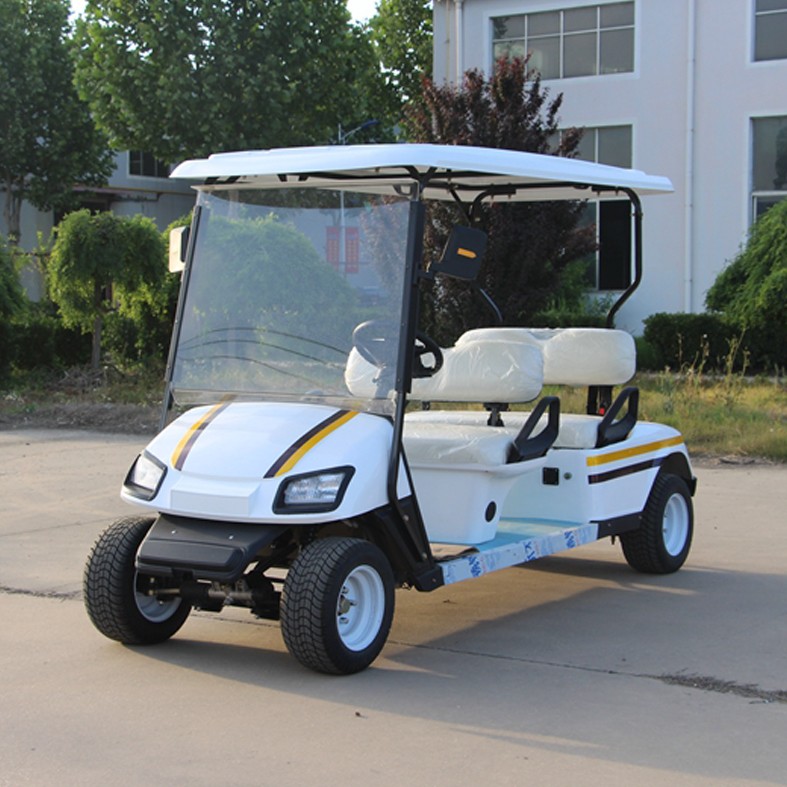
point(95, 354)
point(98, 299)
point(12, 211)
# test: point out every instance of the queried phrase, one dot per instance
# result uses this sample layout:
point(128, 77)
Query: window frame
point(524, 42)
point(758, 14)
point(142, 157)
point(759, 196)
point(595, 208)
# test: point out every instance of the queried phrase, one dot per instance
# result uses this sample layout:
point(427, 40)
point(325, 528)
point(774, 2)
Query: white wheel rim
point(151, 608)
point(360, 608)
point(675, 525)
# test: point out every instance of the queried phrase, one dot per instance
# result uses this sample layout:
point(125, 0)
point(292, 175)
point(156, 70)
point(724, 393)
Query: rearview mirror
point(462, 254)
point(178, 241)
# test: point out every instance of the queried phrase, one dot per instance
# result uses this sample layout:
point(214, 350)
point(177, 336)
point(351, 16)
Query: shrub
point(678, 340)
point(752, 290)
point(39, 340)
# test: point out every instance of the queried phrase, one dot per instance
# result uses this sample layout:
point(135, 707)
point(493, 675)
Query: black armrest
point(526, 447)
point(612, 429)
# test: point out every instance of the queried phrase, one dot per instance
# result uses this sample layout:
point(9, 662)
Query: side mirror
point(462, 254)
point(178, 242)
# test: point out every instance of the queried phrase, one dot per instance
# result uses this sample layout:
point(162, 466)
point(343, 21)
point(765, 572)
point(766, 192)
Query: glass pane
point(509, 50)
point(508, 27)
point(545, 57)
point(274, 296)
point(587, 145)
point(580, 19)
point(617, 51)
point(771, 37)
point(770, 154)
point(771, 5)
point(763, 204)
point(618, 14)
point(543, 24)
point(614, 146)
point(579, 55)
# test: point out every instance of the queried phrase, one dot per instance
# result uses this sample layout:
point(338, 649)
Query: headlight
point(145, 477)
point(314, 492)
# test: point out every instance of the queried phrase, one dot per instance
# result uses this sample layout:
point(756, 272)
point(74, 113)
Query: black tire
point(110, 588)
point(662, 542)
point(337, 605)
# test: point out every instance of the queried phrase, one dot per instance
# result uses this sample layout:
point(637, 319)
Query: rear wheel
point(337, 605)
point(662, 542)
point(115, 592)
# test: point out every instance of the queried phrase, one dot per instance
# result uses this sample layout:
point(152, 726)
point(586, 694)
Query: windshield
point(278, 284)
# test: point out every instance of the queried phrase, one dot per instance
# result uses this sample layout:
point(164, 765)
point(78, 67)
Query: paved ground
point(572, 671)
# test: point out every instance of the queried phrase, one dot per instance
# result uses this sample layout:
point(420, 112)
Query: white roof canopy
point(447, 172)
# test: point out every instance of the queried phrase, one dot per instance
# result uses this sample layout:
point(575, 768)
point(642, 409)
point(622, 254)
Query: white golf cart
point(301, 479)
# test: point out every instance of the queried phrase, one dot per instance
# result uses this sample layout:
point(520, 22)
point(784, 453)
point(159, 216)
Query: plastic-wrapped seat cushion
point(439, 443)
point(572, 356)
point(480, 371)
point(576, 430)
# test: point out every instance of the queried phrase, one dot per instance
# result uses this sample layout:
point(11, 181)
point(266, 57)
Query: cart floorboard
point(517, 541)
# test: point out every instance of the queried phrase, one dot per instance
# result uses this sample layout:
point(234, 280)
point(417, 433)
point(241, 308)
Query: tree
point(101, 263)
point(752, 290)
point(48, 141)
point(12, 298)
point(184, 78)
point(402, 35)
point(531, 246)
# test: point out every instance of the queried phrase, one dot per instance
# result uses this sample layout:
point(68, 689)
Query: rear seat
point(504, 366)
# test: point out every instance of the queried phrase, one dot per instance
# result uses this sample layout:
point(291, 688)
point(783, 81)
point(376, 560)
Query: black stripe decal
point(184, 452)
point(277, 465)
point(611, 475)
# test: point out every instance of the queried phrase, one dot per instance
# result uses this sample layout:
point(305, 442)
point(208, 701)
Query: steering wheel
point(426, 345)
point(374, 341)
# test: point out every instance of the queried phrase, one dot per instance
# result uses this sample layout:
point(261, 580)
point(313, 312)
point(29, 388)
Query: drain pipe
point(688, 244)
point(459, 33)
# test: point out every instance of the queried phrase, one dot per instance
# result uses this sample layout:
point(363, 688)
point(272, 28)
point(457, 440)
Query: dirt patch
point(99, 417)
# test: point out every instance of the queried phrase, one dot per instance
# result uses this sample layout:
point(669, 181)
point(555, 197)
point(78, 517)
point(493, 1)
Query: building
point(692, 89)
point(139, 184)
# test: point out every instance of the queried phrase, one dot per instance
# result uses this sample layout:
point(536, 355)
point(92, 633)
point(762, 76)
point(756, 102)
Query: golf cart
point(318, 450)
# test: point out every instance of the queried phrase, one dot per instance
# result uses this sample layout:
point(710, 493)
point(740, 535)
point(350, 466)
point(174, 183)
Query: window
point(352, 249)
point(575, 42)
point(610, 267)
point(146, 164)
point(770, 29)
point(769, 163)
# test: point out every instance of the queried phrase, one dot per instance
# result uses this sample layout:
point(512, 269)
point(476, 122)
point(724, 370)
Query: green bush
point(676, 341)
point(143, 337)
point(38, 340)
point(751, 292)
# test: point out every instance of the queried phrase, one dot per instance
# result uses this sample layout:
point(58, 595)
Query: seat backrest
point(572, 356)
point(478, 371)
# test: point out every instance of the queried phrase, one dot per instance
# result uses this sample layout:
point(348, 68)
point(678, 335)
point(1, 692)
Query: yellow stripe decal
point(301, 447)
point(627, 453)
point(187, 442)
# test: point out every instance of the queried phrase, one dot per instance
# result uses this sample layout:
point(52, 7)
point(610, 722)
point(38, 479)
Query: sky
point(360, 9)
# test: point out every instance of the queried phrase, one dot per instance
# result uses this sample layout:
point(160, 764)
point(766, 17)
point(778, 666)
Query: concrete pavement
point(573, 670)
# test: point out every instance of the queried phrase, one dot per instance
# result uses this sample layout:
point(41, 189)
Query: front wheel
point(662, 542)
point(337, 605)
point(115, 593)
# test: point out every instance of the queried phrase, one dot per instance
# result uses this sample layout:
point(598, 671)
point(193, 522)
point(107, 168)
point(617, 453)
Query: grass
point(729, 415)
point(722, 415)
